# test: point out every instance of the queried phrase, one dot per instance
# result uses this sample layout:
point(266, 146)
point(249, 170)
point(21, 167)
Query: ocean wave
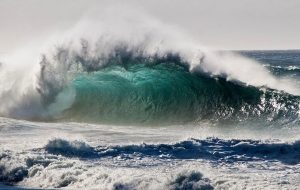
point(145, 76)
point(133, 89)
point(213, 149)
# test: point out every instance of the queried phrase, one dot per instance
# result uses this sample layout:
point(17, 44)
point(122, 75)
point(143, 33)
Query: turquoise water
point(168, 93)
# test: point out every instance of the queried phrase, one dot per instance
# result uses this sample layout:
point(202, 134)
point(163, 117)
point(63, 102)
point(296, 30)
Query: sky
point(219, 24)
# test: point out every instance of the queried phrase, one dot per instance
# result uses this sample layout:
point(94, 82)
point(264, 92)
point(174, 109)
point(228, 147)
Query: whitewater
point(128, 102)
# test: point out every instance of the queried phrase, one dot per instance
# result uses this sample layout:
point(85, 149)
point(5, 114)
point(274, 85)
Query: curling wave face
point(167, 93)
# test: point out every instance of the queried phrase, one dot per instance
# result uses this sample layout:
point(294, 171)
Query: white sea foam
point(70, 155)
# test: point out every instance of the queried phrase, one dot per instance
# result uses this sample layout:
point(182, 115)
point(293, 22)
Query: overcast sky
point(221, 24)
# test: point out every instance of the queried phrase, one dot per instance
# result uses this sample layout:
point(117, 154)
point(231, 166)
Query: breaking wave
point(142, 75)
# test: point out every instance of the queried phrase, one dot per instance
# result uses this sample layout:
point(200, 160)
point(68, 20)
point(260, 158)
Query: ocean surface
point(134, 118)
